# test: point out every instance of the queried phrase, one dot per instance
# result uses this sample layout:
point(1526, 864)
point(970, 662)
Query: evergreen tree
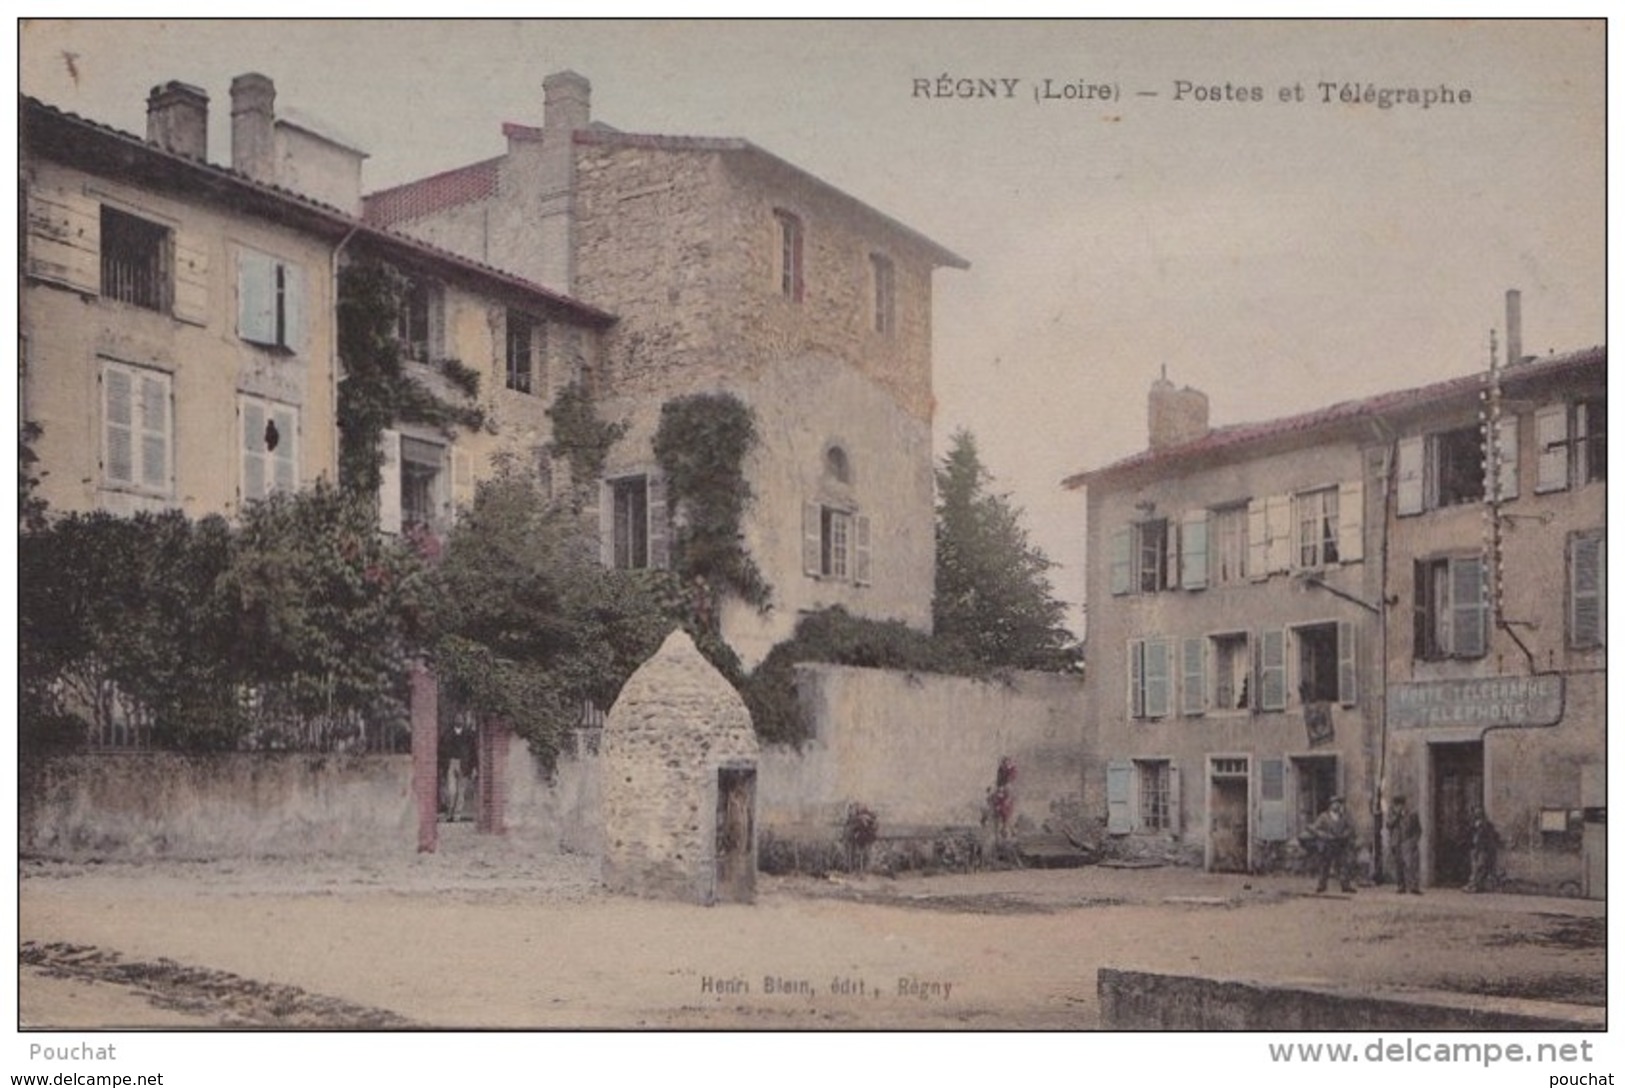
point(993, 600)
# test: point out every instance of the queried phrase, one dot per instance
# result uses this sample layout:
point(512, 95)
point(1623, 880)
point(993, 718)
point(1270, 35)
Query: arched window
point(838, 465)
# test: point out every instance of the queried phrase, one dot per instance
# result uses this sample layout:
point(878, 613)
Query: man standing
point(1334, 837)
point(1486, 842)
point(1405, 841)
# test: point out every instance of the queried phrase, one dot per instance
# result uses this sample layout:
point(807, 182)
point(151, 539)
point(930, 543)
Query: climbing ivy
point(379, 391)
point(701, 447)
point(580, 435)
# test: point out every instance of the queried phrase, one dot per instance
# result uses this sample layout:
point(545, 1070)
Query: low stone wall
point(923, 749)
point(1143, 1001)
point(133, 805)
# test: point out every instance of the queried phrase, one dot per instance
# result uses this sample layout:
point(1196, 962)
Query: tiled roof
point(1381, 405)
point(313, 215)
point(427, 195)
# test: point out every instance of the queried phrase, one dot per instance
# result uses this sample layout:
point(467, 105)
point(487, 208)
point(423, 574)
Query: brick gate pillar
point(426, 755)
point(491, 812)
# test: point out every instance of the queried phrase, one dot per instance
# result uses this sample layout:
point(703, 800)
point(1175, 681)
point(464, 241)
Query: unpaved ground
point(482, 935)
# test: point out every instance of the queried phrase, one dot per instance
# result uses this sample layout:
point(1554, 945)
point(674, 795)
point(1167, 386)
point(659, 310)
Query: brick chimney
point(253, 127)
point(178, 119)
point(1175, 416)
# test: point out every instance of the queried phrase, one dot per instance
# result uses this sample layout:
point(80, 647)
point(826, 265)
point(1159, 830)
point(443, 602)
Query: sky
point(1132, 196)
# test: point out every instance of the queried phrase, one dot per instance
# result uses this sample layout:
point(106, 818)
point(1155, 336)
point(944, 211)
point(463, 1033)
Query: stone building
point(727, 269)
point(179, 318)
point(1345, 602)
point(1232, 638)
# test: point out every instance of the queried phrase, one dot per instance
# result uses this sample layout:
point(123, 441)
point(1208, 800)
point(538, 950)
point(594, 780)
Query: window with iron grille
point(135, 260)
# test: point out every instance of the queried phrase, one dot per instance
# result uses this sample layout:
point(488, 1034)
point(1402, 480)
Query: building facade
point(1398, 596)
point(180, 319)
point(731, 270)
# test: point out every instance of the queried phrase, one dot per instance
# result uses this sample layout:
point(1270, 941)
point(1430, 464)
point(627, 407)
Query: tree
point(993, 598)
point(530, 625)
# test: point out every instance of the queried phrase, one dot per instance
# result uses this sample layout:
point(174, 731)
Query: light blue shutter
point(119, 417)
point(1272, 670)
point(256, 297)
point(1193, 542)
point(1193, 676)
point(1507, 439)
point(389, 482)
point(293, 303)
point(1347, 685)
point(286, 455)
point(812, 539)
point(1468, 607)
point(1136, 678)
point(154, 434)
point(863, 574)
point(1351, 521)
point(1122, 545)
point(1410, 476)
point(659, 524)
point(1158, 677)
point(1585, 591)
point(1278, 552)
point(1551, 448)
point(1119, 783)
point(253, 451)
point(1258, 536)
point(1272, 814)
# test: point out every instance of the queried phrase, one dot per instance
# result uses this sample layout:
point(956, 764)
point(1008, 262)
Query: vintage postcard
point(810, 526)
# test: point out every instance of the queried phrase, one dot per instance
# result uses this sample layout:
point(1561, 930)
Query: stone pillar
point(426, 755)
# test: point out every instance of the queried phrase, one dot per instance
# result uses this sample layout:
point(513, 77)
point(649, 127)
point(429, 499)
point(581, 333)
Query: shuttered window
point(270, 443)
point(270, 301)
point(136, 436)
point(1452, 608)
point(1588, 596)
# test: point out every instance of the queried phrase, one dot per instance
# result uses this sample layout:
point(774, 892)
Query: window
point(1155, 794)
point(1317, 528)
point(270, 447)
point(526, 343)
point(637, 530)
point(1317, 663)
point(270, 300)
point(791, 282)
point(1452, 611)
point(1571, 444)
point(423, 467)
point(1447, 468)
point(837, 466)
point(1140, 557)
point(1232, 668)
point(885, 293)
point(135, 258)
point(1588, 590)
point(136, 429)
point(836, 543)
point(418, 327)
point(1229, 561)
point(1458, 466)
point(1149, 680)
point(1142, 795)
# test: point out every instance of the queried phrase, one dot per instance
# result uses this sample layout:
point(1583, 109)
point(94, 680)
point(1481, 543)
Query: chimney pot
point(178, 119)
point(1175, 416)
point(253, 126)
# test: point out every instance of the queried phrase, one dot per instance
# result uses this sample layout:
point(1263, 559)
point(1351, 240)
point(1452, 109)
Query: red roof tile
point(431, 194)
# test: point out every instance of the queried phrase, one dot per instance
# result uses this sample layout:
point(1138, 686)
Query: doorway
point(1228, 840)
point(736, 834)
point(1458, 792)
